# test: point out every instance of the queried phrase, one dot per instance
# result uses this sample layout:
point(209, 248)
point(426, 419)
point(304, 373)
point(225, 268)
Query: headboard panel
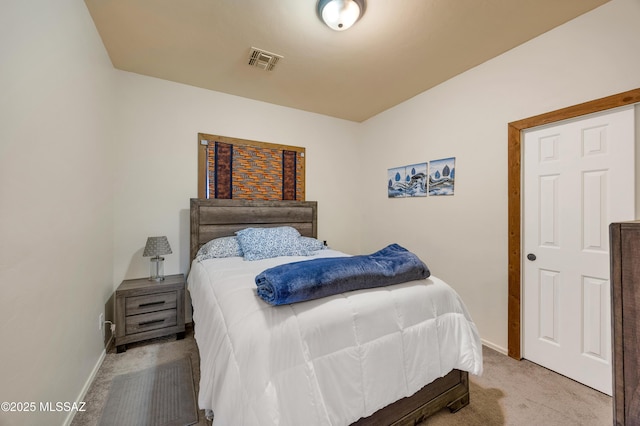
point(215, 218)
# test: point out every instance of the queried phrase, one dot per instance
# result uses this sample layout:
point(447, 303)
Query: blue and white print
point(442, 175)
point(407, 181)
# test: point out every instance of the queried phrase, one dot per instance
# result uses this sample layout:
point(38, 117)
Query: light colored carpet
point(521, 393)
point(510, 392)
point(160, 395)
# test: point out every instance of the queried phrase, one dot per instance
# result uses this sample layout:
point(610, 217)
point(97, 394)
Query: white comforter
point(329, 361)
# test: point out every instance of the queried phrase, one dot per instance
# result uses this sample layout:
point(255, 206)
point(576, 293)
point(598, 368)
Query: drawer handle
point(146, 323)
point(144, 305)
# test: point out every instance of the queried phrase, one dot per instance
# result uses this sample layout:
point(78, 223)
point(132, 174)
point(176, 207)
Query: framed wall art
point(407, 181)
point(232, 168)
point(442, 174)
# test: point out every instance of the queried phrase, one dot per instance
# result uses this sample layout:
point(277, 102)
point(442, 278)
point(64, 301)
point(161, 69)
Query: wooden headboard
point(215, 218)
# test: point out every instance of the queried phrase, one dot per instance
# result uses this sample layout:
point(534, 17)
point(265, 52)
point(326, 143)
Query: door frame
point(514, 185)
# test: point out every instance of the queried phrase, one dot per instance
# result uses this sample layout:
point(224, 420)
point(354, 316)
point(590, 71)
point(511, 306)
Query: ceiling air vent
point(262, 59)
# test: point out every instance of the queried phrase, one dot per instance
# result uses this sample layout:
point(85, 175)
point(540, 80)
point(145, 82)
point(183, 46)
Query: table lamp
point(155, 248)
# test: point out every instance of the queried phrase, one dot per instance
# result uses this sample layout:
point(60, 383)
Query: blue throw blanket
point(312, 279)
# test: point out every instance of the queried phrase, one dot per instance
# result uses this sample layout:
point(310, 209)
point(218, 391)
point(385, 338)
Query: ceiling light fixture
point(340, 15)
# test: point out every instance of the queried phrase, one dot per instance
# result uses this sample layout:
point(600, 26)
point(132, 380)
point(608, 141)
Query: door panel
point(595, 295)
point(578, 178)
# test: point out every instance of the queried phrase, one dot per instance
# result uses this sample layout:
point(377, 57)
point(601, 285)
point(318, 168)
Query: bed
point(327, 379)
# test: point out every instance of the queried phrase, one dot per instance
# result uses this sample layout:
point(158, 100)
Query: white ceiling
point(398, 49)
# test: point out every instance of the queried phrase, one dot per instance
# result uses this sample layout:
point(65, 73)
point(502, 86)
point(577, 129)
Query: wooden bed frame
point(212, 218)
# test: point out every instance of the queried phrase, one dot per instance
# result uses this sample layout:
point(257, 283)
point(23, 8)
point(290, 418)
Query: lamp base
point(157, 269)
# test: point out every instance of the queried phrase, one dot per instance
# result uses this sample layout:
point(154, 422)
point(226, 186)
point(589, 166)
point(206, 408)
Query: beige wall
point(156, 166)
point(464, 238)
point(95, 160)
point(56, 209)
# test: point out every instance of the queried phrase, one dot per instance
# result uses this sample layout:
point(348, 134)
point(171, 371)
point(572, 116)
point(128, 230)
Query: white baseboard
point(87, 385)
point(495, 347)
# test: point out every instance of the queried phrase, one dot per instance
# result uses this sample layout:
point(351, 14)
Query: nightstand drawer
point(149, 309)
point(150, 303)
point(151, 321)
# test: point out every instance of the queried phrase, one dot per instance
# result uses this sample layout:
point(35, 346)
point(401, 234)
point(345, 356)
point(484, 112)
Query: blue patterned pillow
point(264, 243)
point(219, 247)
point(311, 244)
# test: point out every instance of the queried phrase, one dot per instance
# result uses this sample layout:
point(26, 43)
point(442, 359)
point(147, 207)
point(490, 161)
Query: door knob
point(531, 257)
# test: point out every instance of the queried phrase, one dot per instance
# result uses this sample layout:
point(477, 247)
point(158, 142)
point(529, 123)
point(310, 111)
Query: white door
point(578, 178)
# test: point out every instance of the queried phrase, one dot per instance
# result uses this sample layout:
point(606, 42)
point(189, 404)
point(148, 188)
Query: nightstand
point(148, 309)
